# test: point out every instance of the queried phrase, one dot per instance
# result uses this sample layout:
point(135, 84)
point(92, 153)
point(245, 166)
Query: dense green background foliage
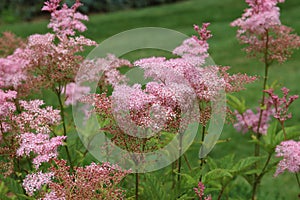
point(225, 50)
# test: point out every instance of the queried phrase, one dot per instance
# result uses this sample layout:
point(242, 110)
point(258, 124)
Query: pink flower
point(261, 29)
point(51, 5)
point(35, 118)
point(74, 92)
point(290, 151)
point(40, 144)
point(282, 105)
point(103, 70)
point(7, 107)
point(261, 16)
point(249, 120)
point(6, 102)
point(194, 49)
point(65, 21)
point(94, 181)
point(200, 192)
point(12, 69)
point(34, 182)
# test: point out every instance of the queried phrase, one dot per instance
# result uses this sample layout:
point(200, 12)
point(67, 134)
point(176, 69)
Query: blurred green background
point(224, 49)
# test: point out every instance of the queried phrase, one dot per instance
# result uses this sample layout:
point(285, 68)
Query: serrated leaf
point(236, 103)
point(226, 162)
point(245, 163)
point(217, 174)
point(211, 163)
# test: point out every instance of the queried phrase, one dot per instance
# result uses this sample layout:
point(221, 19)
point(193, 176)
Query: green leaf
point(226, 162)
point(153, 188)
point(14, 186)
point(246, 163)
point(217, 174)
point(236, 103)
point(211, 163)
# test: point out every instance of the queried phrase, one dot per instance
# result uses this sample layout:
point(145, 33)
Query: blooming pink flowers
point(282, 105)
point(74, 92)
point(261, 16)
point(249, 120)
point(290, 151)
point(260, 28)
point(40, 144)
point(65, 21)
point(200, 192)
point(34, 182)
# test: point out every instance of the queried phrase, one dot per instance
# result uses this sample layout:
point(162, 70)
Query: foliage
point(41, 156)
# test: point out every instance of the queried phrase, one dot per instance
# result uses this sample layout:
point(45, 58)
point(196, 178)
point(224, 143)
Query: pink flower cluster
point(103, 70)
point(282, 104)
point(93, 181)
point(40, 144)
point(194, 49)
point(74, 92)
point(44, 62)
point(34, 182)
point(176, 85)
point(200, 192)
point(12, 69)
point(34, 118)
point(7, 107)
point(261, 29)
point(249, 120)
point(65, 21)
point(290, 151)
point(261, 16)
point(34, 126)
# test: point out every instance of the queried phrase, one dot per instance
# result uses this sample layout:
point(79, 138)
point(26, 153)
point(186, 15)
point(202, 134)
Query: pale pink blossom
point(103, 70)
point(94, 181)
point(36, 118)
point(260, 28)
point(261, 16)
point(249, 120)
point(12, 69)
point(7, 107)
point(40, 144)
point(195, 50)
point(34, 182)
point(290, 151)
point(74, 92)
point(65, 21)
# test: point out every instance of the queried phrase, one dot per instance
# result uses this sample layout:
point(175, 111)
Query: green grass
point(224, 49)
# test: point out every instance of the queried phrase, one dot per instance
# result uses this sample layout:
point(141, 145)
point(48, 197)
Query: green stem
point(296, 174)
point(202, 160)
point(136, 186)
point(179, 162)
point(187, 162)
point(260, 176)
point(222, 190)
point(62, 114)
point(262, 105)
point(283, 129)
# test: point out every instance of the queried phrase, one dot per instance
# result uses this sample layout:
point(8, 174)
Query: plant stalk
point(262, 105)
point(62, 114)
point(136, 186)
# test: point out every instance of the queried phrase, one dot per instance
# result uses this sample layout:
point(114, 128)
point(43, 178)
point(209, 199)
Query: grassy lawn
point(224, 49)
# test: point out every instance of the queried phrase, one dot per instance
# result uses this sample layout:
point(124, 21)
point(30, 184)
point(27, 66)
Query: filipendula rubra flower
point(290, 151)
point(261, 30)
